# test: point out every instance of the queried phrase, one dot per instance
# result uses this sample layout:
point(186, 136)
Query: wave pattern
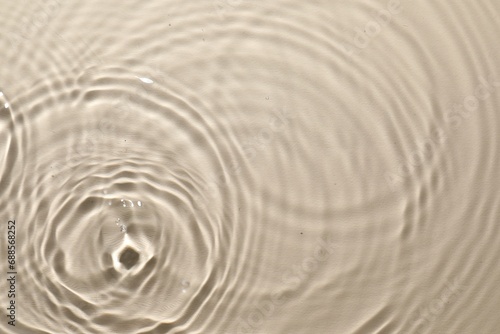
point(231, 166)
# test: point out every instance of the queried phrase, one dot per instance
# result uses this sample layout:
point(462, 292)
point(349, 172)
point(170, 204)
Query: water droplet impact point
point(129, 257)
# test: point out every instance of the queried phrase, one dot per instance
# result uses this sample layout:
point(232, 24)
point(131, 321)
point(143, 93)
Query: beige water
point(245, 166)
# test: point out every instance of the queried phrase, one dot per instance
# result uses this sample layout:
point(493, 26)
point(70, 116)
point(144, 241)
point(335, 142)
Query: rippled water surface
point(245, 166)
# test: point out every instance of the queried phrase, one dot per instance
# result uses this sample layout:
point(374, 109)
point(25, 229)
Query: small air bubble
point(6, 105)
point(146, 80)
point(185, 285)
point(139, 203)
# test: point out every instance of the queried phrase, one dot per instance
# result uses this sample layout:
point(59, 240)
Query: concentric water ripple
point(113, 211)
point(251, 167)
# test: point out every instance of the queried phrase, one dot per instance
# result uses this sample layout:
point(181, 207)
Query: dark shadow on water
point(129, 257)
